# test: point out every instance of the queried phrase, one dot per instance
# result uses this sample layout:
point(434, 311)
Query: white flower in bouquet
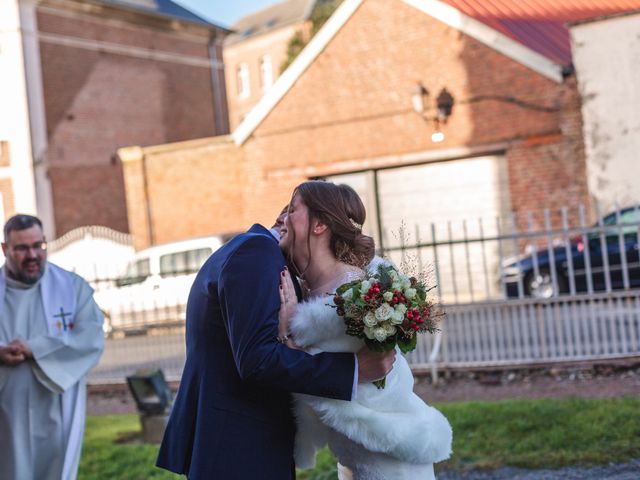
point(368, 331)
point(388, 296)
point(384, 311)
point(406, 283)
point(365, 285)
point(370, 319)
point(397, 317)
point(348, 295)
point(380, 334)
point(396, 285)
point(401, 308)
point(410, 293)
point(390, 329)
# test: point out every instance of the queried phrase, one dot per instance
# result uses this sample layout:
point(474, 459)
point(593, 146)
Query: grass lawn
point(525, 433)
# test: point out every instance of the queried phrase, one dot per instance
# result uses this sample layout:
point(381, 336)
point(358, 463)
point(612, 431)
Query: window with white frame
point(243, 80)
point(266, 72)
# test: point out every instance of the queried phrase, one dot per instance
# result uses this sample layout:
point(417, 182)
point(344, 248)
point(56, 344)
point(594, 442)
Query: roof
point(269, 19)
point(163, 8)
point(531, 32)
point(540, 25)
point(601, 18)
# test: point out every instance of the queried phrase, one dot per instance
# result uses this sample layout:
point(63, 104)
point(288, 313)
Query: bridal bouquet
point(386, 309)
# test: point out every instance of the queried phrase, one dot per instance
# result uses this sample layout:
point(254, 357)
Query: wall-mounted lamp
point(444, 107)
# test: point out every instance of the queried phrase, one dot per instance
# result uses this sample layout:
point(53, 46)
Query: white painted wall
point(22, 116)
point(93, 252)
point(606, 56)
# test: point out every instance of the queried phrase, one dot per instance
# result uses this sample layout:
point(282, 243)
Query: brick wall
point(351, 110)
point(6, 190)
point(113, 79)
point(192, 189)
point(251, 52)
point(353, 104)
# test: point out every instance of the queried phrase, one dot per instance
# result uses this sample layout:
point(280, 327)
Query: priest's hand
point(23, 347)
point(11, 355)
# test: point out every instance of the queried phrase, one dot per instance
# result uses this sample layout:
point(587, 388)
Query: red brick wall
point(353, 105)
point(192, 190)
point(354, 102)
point(6, 189)
point(98, 101)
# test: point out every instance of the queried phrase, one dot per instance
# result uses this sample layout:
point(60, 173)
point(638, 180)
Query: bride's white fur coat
point(392, 420)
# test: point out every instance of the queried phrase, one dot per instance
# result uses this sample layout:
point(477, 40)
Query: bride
point(382, 434)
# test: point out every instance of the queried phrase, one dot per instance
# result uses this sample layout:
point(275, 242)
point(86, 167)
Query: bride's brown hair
point(341, 209)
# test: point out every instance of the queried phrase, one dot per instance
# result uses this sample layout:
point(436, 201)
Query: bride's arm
point(288, 306)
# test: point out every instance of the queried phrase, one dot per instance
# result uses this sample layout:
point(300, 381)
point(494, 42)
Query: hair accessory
point(356, 225)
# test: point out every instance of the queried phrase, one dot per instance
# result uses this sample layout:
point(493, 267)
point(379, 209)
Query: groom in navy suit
point(232, 418)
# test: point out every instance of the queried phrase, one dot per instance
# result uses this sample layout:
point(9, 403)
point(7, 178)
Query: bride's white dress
point(384, 434)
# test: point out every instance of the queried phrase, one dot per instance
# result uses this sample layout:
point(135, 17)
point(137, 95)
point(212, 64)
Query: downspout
point(221, 117)
point(147, 200)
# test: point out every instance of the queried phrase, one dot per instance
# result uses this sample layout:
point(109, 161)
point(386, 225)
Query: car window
point(137, 272)
point(630, 217)
point(181, 263)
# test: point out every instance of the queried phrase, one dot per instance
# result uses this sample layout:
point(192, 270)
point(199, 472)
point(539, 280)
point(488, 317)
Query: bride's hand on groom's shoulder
point(374, 366)
point(288, 305)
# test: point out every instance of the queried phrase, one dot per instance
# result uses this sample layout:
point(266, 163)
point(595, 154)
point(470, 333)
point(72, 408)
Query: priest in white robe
point(50, 337)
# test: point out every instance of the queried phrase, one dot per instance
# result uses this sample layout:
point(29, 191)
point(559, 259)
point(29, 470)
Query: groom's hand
point(374, 366)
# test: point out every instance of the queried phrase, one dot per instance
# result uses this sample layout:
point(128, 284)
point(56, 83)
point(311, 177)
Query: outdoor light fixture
point(437, 137)
point(150, 391)
point(418, 99)
point(444, 107)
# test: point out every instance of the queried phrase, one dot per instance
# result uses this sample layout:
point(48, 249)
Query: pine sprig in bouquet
point(387, 309)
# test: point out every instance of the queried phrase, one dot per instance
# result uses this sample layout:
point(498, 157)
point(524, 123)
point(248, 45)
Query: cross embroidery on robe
point(62, 324)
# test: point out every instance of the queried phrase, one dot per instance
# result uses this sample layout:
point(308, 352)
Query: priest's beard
point(21, 276)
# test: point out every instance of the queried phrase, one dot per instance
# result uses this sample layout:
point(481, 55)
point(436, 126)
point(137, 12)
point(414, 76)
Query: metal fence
point(539, 288)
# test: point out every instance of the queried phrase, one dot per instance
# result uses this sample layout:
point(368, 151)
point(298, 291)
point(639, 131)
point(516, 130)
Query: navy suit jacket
point(232, 417)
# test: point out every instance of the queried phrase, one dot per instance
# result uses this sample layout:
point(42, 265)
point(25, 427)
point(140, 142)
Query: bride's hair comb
point(356, 225)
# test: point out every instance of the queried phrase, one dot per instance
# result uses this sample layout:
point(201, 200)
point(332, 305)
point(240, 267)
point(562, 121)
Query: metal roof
point(163, 8)
point(270, 18)
point(540, 24)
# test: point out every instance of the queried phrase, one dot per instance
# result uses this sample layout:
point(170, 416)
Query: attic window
point(248, 31)
point(271, 23)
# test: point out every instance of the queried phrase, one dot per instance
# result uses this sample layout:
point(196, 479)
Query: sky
point(224, 12)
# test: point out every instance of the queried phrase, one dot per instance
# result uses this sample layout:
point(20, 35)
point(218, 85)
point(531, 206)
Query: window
point(182, 263)
point(266, 72)
point(137, 272)
point(243, 80)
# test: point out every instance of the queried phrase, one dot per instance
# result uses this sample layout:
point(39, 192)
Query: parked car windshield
point(137, 272)
point(630, 216)
point(181, 263)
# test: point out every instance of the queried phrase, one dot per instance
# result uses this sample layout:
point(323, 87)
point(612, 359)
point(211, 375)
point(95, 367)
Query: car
point(153, 290)
point(597, 259)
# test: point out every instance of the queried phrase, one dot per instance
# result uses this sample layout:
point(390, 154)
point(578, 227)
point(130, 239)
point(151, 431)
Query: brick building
point(255, 51)
point(359, 105)
point(99, 75)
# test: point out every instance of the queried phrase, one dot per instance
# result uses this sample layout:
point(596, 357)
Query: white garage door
point(459, 199)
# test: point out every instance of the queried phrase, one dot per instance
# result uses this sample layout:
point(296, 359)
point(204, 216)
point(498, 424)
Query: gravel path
point(626, 471)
